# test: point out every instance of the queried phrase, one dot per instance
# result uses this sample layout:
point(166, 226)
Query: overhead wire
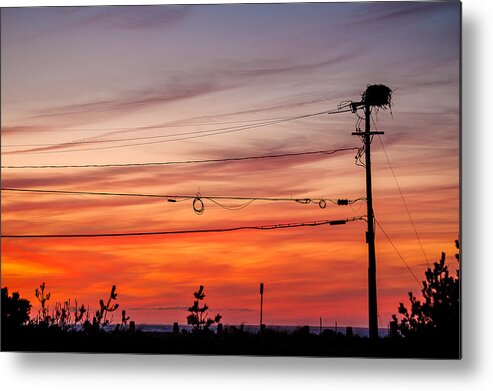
point(151, 127)
point(219, 160)
point(136, 138)
point(191, 135)
point(361, 150)
point(182, 123)
point(180, 197)
point(198, 203)
point(174, 124)
point(404, 201)
point(207, 230)
point(398, 252)
point(232, 207)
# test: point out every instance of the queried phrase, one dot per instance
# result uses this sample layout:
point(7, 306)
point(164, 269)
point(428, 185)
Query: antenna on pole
point(375, 96)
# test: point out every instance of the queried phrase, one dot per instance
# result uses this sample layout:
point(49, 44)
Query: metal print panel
point(235, 179)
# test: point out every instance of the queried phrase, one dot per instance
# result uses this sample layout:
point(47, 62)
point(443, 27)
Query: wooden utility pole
point(261, 303)
point(367, 136)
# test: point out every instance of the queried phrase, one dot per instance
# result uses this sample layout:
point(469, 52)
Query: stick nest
point(378, 95)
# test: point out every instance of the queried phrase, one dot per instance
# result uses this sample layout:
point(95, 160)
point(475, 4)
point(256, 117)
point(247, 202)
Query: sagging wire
point(180, 198)
point(232, 207)
point(357, 208)
point(359, 120)
point(361, 150)
point(198, 204)
point(193, 161)
point(358, 159)
point(194, 231)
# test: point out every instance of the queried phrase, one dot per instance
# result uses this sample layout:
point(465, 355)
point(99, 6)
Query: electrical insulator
point(337, 222)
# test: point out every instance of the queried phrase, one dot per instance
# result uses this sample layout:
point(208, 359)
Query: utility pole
point(366, 137)
point(261, 303)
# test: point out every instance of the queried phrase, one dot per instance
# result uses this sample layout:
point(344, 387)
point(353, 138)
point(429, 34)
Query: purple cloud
point(138, 17)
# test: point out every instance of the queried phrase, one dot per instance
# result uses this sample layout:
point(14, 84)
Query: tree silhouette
point(15, 311)
point(439, 313)
point(198, 315)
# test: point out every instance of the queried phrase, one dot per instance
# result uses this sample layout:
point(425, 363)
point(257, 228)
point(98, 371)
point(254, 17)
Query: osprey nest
point(378, 95)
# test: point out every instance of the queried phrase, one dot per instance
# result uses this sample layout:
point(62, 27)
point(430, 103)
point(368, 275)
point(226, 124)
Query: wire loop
point(198, 205)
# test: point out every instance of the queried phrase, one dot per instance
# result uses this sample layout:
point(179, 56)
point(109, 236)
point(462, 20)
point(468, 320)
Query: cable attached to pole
point(216, 230)
point(198, 203)
point(193, 161)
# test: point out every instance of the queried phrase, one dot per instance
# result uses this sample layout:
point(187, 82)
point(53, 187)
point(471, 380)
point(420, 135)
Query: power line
point(211, 132)
point(198, 203)
point(254, 227)
point(404, 201)
point(192, 135)
point(398, 253)
point(265, 121)
point(326, 152)
point(136, 138)
point(178, 198)
point(175, 124)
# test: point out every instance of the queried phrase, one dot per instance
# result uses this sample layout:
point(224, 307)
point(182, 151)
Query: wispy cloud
point(184, 87)
point(137, 99)
point(262, 68)
point(26, 129)
point(65, 20)
point(395, 12)
point(187, 86)
point(138, 17)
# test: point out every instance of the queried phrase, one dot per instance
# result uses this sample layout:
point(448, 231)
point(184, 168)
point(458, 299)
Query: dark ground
point(231, 342)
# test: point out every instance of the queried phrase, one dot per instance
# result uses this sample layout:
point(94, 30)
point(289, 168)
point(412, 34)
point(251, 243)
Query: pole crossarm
point(365, 133)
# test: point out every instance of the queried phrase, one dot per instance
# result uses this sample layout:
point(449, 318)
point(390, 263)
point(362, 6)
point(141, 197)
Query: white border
point(474, 372)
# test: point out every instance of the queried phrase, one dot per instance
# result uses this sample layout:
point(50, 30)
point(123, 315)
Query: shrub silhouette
point(79, 312)
point(15, 311)
point(76, 317)
point(439, 314)
point(43, 316)
point(198, 315)
point(61, 314)
point(100, 318)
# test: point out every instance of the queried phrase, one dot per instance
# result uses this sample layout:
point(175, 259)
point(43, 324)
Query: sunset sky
point(75, 79)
